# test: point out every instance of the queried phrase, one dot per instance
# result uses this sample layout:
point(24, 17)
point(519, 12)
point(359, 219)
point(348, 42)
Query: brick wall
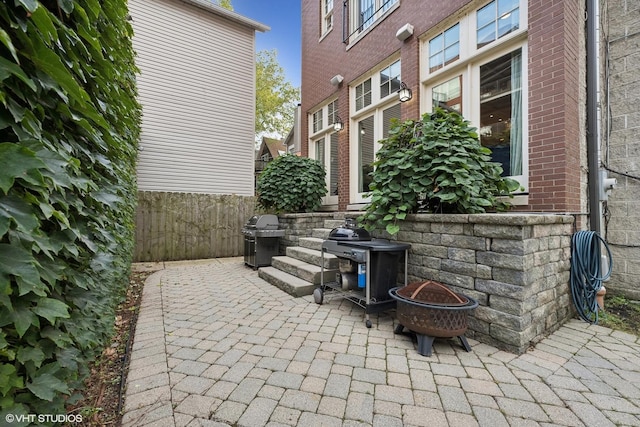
point(621, 147)
point(555, 95)
point(556, 86)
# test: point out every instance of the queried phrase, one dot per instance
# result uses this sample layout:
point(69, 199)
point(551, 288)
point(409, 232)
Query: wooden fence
point(181, 226)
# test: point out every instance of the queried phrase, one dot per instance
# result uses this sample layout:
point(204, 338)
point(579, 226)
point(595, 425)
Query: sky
point(283, 16)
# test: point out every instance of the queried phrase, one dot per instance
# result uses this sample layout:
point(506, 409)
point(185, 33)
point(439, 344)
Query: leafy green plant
point(291, 183)
point(433, 165)
point(69, 125)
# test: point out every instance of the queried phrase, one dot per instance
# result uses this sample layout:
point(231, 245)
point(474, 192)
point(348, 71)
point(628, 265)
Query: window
point(327, 15)
point(448, 95)
point(323, 146)
point(444, 48)
point(364, 13)
point(484, 79)
point(496, 19)
point(332, 112)
point(501, 111)
point(374, 107)
point(317, 121)
point(363, 94)
point(390, 79)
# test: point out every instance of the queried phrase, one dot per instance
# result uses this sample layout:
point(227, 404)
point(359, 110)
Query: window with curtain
point(501, 111)
point(486, 82)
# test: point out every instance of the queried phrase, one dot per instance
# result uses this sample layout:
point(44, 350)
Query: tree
point(224, 3)
point(276, 98)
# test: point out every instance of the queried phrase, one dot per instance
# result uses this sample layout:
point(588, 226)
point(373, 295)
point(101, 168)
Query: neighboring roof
point(276, 147)
point(232, 16)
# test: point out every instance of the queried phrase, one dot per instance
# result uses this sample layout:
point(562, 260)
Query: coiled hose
point(585, 277)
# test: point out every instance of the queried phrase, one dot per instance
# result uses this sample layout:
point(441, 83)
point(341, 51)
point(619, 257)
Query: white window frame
point(328, 113)
point(376, 108)
point(326, 13)
point(468, 65)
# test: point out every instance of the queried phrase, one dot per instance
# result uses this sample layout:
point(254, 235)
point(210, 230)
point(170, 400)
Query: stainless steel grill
point(261, 243)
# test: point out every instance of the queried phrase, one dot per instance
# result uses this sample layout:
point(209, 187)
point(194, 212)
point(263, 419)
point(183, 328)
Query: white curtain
point(516, 114)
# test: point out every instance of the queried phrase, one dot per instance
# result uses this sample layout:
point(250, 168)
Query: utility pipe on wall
point(592, 116)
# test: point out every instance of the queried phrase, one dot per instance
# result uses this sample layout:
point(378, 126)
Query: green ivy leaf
point(46, 386)
point(31, 354)
point(8, 68)
point(16, 162)
point(6, 41)
point(51, 309)
point(30, 5)
point(9, 378)
point(17, 211)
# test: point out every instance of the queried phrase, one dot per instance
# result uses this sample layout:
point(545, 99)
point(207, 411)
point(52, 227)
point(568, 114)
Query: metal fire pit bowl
point(432, 310)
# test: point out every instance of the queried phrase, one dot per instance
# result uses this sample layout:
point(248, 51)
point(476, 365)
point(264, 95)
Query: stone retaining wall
point(515, 265)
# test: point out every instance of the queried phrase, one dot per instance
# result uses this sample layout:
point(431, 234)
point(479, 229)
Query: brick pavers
point(215, 345)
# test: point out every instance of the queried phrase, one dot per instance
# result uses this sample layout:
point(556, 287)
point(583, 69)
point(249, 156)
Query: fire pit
point(432, 310)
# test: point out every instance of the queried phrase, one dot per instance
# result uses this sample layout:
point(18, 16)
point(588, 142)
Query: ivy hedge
point(291, 183)
point(69, 126)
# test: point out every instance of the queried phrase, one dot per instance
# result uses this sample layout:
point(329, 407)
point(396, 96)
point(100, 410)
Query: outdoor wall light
point(337, 124)
point(404, 94)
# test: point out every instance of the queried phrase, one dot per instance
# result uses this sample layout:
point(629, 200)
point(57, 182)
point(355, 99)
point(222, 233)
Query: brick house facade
point(355, 56)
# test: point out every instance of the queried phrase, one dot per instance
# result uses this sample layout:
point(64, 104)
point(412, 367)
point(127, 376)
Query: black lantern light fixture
point(404, 93)
point(337, 124)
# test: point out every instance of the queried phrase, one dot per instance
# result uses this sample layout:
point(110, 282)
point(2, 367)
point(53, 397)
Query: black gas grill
point(261, 234)
point(371, 268)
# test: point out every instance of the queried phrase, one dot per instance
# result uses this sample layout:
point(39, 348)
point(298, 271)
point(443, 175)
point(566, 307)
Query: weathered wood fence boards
point(180, 226)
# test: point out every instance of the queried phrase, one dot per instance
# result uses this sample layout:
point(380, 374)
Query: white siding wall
point(197, 90)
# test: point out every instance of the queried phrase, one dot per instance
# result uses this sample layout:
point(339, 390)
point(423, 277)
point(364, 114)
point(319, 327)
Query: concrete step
point(314, 243)
point(321, 233)
point(312, 256)
point(290, 284)
point(301, 269)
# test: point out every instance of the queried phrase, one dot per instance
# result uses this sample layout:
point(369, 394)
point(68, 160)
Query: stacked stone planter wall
point(300, 225)
point(515, 265)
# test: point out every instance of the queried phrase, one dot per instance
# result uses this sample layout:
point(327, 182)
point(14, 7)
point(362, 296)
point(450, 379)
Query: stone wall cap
point(495, 218)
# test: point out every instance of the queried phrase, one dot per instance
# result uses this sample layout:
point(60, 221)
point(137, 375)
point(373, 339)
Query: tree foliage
point(434, 165)
point(276, 98)
point(224, 3)
point(69, 125)
point(291, 183)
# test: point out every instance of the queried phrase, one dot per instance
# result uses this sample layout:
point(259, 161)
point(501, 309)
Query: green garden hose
point(586, 279)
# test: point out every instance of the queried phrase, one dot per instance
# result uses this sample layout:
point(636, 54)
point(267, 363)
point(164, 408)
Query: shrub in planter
point(434, 165)
point(291, 184)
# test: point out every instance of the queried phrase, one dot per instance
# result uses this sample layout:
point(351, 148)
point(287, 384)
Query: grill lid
point(349, 231)
point(262, 222)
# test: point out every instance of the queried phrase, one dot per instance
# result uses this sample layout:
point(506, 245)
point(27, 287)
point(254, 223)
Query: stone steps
point(303, 270)
point(299, 271)
point(313, 256)
point(290, 284)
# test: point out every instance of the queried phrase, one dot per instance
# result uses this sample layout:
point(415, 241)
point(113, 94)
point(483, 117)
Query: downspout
point(592, 116)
